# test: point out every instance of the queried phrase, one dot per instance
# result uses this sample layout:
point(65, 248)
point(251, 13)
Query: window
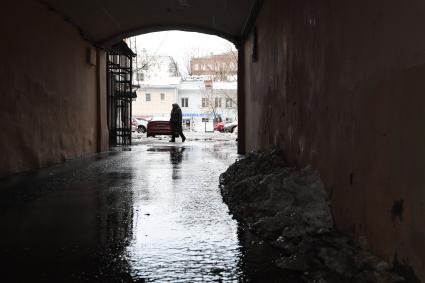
point(217, 102)
point(140, 76)
point(162, 96)
point(229, 103)
point(186, 122)
point(185, 102)
point(148, 96)
point(204, 102)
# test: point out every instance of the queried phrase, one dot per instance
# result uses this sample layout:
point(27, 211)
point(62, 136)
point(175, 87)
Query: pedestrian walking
point(176, 123)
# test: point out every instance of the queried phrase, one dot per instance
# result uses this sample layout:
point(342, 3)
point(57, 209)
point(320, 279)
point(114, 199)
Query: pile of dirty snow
point(289, 207)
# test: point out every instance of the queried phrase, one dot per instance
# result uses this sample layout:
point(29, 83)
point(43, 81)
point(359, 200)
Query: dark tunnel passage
point(337, 86)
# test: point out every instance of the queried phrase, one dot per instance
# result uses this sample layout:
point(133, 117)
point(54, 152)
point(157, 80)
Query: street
point(151, 212)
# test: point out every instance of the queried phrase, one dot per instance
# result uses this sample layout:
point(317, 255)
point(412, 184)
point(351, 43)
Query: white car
point(139, 124)
point(230, 127)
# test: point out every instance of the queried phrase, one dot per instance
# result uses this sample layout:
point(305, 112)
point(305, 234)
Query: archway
point(215, 76)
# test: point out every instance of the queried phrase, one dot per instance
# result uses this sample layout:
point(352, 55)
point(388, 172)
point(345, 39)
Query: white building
point(150, 67)
point(155, 97)
point(203, 102)
point(228, 91)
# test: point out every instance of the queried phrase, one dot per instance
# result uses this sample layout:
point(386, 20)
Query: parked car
point(230, 127)
point(159, 126)
point(219, 126)
point(142, 125)
point(139, 124)
point(133, 124)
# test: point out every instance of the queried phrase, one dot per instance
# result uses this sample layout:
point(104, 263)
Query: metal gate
point(120, 93)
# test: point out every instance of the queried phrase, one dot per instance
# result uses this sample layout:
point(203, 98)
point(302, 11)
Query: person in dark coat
point(176, 123)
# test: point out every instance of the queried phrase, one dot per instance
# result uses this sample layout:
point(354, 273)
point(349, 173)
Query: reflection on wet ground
point(152, 214)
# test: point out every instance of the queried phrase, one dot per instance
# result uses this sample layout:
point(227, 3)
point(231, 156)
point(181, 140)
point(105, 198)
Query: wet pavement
point(148, 213)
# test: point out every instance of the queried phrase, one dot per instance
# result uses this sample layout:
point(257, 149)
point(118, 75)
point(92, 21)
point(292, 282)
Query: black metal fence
point(120, 93)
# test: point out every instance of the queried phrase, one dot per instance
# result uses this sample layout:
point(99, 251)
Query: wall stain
point(397, 210)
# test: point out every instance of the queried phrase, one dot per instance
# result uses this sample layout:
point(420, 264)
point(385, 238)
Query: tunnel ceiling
point(106, 21)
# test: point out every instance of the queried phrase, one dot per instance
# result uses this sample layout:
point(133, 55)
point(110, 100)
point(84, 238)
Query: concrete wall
point(52, 100)
point(340, 85)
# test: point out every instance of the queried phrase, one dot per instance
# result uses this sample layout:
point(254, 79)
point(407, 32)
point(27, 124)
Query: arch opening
point(198, 71)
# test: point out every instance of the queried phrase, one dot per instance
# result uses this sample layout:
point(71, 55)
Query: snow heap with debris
point(289, 207)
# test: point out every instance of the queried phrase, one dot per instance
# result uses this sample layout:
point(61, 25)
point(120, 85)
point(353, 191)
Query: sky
point(177, 44)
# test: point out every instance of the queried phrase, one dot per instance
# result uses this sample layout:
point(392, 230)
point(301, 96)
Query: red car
point(219, 126)
point(158, 127)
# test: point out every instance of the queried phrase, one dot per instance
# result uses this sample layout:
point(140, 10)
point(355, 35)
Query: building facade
point(155, 97)
point(150, 67)
point(203, 102)
point(220, 67)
